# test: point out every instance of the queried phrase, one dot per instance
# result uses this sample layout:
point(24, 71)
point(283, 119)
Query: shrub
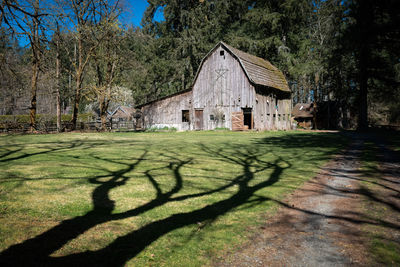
point(44, 122)
point(161, 129)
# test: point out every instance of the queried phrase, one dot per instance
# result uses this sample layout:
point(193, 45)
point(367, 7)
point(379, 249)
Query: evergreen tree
point(189, 31)
point(373, 35)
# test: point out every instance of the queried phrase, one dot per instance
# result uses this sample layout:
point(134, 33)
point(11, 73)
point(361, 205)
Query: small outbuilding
point(303, 114)
point(122, 113)
point(232, 89)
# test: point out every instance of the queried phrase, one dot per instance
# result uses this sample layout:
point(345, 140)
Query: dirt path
point(321, 223)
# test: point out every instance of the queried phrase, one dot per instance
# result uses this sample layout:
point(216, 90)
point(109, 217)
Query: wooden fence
point(48, 127)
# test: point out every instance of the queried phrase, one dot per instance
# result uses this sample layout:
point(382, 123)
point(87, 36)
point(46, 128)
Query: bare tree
point(25, 19)
point(86, 18)
point(106, 58)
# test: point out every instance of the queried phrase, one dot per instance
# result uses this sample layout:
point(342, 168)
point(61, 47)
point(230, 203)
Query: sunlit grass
point(46, 179)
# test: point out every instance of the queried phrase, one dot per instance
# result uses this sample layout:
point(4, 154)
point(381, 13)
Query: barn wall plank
point(168, 112)
point(221, 88)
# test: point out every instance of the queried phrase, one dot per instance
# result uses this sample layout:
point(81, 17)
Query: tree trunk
point(104, 87)
point(329, 112)
point(103, 117)
point(76, 101)
point(35, 47)
point(32, 109)
point(363, 96)
point(103, 111)
point(78, 80)
point(315, 115)
point(58, 67)
point(59, 123)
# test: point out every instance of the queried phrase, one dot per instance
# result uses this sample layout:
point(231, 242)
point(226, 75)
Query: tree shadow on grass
point(37, 250)
point(14, 152)
point(249, 159)
point(305, 140)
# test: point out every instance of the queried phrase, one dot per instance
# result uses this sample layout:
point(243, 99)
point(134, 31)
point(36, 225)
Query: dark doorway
point(198, 117)
point(248, 118)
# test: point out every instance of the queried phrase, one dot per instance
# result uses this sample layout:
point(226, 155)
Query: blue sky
point(133, 12)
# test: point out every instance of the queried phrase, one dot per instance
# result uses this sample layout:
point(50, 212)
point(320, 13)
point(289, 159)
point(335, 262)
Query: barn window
point(222, 53)
point(185, 116)
point(211, 117)
point(223, 117)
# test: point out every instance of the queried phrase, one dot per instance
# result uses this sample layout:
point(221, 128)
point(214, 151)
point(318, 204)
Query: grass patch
point(140, 199)
point(383, 250)
point(386, 252)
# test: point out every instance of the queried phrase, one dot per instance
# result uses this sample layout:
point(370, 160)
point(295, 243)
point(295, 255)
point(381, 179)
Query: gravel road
point(310, 226)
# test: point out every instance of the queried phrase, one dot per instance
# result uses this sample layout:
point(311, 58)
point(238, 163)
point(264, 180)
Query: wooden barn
point(232, 89)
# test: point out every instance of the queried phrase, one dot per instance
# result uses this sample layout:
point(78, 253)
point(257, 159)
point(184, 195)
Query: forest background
point(71, 56)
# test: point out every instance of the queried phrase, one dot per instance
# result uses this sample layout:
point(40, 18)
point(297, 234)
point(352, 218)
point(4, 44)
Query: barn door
point(198, 118)
point(248, 118)
point(237, 121)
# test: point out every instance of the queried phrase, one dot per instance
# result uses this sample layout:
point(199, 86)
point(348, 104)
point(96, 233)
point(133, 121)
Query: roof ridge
point(250, 55)
point(246, 58)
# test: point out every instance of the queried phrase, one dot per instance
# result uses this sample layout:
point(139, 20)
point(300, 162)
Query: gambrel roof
point(259, 71)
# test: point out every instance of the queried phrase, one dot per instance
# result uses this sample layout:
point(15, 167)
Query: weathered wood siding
point(168, 112)
point(221, 88)
point(271, 113)
point(265, 109)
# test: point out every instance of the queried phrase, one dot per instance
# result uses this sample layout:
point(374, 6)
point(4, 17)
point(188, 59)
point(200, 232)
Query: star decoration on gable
point(220, 73)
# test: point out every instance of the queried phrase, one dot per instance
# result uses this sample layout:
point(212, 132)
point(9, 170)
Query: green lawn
point(142, 199)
